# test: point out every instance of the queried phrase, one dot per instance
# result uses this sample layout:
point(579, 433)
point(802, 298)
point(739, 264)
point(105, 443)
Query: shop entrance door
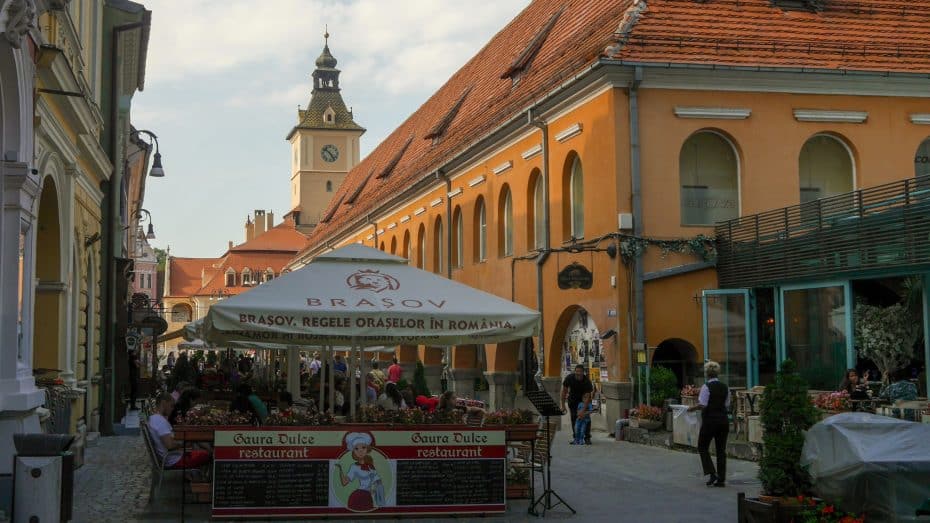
point(728, 336)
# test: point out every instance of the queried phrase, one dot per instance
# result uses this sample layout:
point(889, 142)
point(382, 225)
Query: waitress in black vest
point(714, 403)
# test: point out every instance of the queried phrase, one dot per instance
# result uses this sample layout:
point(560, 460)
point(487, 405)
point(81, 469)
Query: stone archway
point(576, 339)
point(678, 355)
point(49, 286)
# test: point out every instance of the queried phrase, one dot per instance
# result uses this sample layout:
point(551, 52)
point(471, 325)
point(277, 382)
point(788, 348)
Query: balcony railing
point(881, 228)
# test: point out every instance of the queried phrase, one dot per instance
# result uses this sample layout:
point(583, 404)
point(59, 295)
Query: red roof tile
point(282, 237)
point(877, 35)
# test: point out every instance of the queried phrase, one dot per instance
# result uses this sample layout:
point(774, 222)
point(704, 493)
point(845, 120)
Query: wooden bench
point(157, 463)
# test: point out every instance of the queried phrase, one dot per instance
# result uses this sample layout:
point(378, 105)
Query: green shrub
point(662, 385)
point(787, 412)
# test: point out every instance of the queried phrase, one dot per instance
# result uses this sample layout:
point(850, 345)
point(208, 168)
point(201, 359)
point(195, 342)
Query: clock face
point(329, 153)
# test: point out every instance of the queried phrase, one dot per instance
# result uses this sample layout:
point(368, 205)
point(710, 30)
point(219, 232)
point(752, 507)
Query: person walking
point(574, 387)
point(714, 403)
point(395, 371)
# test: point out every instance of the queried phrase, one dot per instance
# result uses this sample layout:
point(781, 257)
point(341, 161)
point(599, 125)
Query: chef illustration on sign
point(370, 492)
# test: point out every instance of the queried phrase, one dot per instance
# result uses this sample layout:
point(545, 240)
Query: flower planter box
point(689, 401)
point(525, 432)
point(650, 425)
point(757, 510)
point(518, 491)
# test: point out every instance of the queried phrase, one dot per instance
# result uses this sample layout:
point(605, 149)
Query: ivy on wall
point(700, 246)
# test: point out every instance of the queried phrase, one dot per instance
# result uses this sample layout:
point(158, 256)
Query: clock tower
point(324, 145)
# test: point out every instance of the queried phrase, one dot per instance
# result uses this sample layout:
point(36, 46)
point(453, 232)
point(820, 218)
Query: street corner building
point(68, 70)
point(666, 181)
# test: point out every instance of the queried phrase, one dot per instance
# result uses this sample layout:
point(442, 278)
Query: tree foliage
point(662, 385)
point(886, 335)
point(787, 412)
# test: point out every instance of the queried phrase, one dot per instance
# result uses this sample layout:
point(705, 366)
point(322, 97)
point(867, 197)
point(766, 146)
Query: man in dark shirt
point(574, 387)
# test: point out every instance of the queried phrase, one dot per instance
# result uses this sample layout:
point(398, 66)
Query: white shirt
point(315, 366)
point(158, 427)
point(365, 477)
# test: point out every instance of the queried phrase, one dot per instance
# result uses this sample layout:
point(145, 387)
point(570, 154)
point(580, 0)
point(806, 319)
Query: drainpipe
point(375, 225)
point(639, 330)
point(545, 251)
point(111, 232)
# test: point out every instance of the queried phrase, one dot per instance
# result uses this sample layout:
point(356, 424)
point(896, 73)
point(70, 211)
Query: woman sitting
point(449, 402)
point(853, 386)
point(901, 389)
point(391, 398)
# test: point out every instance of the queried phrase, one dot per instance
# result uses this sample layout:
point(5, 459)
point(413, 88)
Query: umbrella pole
point(363, 379)
point(332, 383)
point(323, 372)
point(352, 394)
point(293, 372)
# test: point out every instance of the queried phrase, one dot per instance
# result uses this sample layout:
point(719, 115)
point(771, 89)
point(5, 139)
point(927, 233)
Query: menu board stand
point(547, 407)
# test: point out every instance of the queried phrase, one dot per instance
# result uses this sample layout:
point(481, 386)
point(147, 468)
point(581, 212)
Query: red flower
point(828, 509)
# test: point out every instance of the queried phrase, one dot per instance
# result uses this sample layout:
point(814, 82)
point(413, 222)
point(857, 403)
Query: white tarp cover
point(356, 295)
point(869, 463)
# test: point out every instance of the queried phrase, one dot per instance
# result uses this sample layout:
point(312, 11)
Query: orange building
point(584, 160)
point(193, 284)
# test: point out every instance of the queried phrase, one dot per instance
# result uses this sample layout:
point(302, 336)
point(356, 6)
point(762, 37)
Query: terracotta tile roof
point(861, 35)
point(877, 35)
point(202, 276)
point(282, 237)
point(577, 38)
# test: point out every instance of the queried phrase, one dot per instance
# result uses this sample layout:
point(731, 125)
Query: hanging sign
point(300, 472)
point(575, 276)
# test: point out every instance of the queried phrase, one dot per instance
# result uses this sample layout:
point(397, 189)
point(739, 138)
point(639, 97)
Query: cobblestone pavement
point(607, 481)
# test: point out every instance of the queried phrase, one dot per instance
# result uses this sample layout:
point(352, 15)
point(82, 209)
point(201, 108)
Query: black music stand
point(547, 407)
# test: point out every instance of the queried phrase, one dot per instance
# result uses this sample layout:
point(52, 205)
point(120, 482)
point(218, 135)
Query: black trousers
point(573, 412)
point(717, 431)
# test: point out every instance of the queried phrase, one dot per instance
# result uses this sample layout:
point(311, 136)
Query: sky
point(224, 78)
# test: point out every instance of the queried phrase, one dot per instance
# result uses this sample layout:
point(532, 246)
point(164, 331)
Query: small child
point(584, 419)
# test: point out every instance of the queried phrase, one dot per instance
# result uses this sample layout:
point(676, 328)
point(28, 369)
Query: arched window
point(230, 277)
point(329, 186)
point(535, 225)
point(181, 312)
point(458, 236)
point(408, 251)
point(481, 231)
point(573, 200)
point(505, 223)
point(825, 167)
point(269, 274)
point(438, 247)
point(421, 246)
point(394, 245)
point(246, 276)
point(708, 172)
point(922, 159)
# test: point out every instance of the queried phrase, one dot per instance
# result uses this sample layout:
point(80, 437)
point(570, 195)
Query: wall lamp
point(150, 233)
point(157, 170)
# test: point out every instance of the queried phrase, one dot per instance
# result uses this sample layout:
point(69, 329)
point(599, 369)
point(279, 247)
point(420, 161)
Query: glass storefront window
point(815, 334)
point(726, 336)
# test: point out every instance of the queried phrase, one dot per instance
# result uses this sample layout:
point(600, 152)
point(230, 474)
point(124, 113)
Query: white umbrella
point(360, 296)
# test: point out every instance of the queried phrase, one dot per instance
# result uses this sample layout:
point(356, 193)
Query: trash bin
point(43, 478)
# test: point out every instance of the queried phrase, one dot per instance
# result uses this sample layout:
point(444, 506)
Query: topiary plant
point(419, 380)
point(662, 385)
point(787, 412)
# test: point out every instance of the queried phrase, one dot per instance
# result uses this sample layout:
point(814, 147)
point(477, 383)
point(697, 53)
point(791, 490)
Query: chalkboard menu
point(339, 471)
point(450, 482)
point(271, 484)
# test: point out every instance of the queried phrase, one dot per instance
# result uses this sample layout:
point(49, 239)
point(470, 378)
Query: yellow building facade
point(589, 177)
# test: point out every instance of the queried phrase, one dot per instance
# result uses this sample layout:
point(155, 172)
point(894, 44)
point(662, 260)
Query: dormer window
point(246, 277)
point(230, 278)
point(329, 115)
point(269, 274)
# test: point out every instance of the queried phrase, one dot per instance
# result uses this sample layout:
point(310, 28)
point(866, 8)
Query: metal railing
point(878, 228)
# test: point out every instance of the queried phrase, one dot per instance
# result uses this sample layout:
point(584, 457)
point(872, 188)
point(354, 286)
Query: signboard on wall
point(575, 276)
point(335, 472)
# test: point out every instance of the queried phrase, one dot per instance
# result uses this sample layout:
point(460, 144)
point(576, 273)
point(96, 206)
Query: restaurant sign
point(575, 276)
point(335, 471)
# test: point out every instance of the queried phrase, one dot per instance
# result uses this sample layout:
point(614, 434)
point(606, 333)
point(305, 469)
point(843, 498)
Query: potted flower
point(296, 418)
point(819, 511)
point(689, 395)
point(518, 423)
point(649, 417)
point(206, 415)
point(833, 402)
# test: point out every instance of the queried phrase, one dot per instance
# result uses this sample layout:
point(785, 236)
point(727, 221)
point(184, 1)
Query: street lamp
point(157, 170)
point(150, 233)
